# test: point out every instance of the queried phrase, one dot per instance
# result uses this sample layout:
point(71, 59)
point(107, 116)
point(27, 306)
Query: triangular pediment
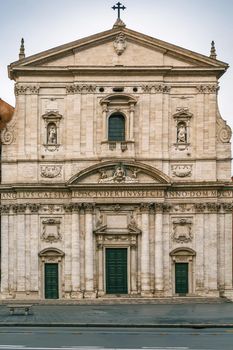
point(118, 47)
point(118, 174)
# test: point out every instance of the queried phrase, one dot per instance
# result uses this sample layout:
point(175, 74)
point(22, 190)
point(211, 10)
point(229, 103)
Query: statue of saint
point(52, 134)
point(181, 134)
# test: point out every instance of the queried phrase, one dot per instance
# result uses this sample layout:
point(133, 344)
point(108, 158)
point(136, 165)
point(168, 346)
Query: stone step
point(123, 300)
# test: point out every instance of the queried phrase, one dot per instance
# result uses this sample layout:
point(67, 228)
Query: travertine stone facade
point(161, 194)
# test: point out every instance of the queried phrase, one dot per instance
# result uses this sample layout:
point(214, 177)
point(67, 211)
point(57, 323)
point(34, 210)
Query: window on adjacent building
point(116, 127)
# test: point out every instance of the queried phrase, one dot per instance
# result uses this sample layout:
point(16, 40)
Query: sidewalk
point(157, 315)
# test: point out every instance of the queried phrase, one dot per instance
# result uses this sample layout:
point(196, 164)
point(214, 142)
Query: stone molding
point(157, 207)
point(80, 89)
point(207, 89)
point(22, 89)
point(156, 89)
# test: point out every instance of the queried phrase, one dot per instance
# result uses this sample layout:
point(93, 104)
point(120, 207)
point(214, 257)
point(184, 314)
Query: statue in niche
point(52, 134)
point(181, 133)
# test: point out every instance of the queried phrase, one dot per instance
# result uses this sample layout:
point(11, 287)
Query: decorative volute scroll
point(7, 124)
point(224, 132)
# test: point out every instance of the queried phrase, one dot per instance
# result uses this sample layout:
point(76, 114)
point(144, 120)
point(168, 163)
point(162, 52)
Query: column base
point(147, 294)
point(228, 294)
point(90, 295)
point(76, 295)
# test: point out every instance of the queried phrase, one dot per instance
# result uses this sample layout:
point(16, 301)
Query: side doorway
point(181, 278)
point(51, 282)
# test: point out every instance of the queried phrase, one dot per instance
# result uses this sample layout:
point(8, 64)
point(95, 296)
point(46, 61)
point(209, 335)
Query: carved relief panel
point(182, 230)
point(51, 230)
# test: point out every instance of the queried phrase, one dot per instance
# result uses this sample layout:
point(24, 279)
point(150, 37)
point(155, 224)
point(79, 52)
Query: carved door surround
point(184, 255)
point(117, 238)
point(51, 256)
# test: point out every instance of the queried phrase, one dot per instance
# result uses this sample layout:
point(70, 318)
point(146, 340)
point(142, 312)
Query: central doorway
point(116, 271)
point(51, 281)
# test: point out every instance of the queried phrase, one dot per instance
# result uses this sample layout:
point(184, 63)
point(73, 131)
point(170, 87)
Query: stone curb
point(117, 325)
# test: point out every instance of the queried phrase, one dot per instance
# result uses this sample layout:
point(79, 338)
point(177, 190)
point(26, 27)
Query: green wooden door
point(181, 278)
point(51, 281)
point(116, 271)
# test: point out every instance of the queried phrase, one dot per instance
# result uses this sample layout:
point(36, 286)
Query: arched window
point(116, 127)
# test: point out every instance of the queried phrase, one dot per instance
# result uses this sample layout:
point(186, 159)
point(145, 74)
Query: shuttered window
point(116, 127)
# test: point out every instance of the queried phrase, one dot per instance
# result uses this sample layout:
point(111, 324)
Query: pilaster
point(89, 251)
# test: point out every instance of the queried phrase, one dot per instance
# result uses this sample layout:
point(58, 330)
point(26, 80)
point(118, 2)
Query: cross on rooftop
point(119, 7)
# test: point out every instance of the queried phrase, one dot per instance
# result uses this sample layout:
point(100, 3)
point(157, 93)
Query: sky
point(45, 24)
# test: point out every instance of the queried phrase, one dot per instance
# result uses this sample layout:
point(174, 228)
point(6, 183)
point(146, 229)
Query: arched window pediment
point(51, 252)
point(184, 251)
point(119, 99)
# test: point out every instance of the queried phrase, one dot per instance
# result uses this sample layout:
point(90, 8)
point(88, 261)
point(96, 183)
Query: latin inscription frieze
point(130, 193)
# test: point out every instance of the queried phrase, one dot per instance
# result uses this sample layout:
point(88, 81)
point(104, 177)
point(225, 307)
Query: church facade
point(116, 173)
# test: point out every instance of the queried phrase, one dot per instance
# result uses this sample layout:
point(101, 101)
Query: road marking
point(18, 347)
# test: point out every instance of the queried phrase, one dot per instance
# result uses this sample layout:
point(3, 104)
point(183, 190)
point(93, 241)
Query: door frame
point(128, 265)
point(50, 263)
point(187, 277)
point(183, 255)
point(51, 256)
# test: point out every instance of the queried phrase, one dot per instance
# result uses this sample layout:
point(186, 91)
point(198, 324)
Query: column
point(131, 122)
point(100, 270)
point(67, 281)
point(133, 269)
point(105, 126)
point(21, 248)
point(228, 251)
point(75, 253)
point(199, 240)
point(211, 248)
point(145, 273)
point(89, 251)
point(11, 253)
point(34, 271)
point(4, 253)
point(27, 252)
point(158, 247)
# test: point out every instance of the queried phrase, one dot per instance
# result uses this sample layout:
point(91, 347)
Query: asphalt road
point(114, 338)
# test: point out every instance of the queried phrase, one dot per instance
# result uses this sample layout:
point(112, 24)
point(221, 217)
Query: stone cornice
point(106, 70)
